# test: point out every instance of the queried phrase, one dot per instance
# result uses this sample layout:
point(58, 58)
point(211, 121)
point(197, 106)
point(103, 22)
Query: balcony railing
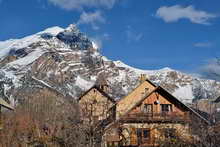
point(156, 117)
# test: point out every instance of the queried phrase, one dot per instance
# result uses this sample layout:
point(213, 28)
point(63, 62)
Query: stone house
point(147, 115)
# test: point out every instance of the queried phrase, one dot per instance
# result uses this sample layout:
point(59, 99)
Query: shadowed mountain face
point(67, 61)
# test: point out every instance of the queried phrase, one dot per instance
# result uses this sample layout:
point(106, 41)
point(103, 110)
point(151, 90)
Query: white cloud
point(203, 44)
point(133, 35)
point(212, 69)
point(106, 36)
point(91, 18)
point(177, 12)
point(99, 39)
point(98, 42)
point(80, 4)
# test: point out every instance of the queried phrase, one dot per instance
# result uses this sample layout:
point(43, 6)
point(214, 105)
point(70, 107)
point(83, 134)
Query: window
point(169, 133)
point(143, 135)
point(139, 133)
point(112, 144)
point(147, 108)
point(146, 133)
point(166, 108)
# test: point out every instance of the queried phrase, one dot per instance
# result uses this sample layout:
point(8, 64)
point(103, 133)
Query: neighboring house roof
point(3, 103)
point(205, 115)
point(217, 100)
point(100, 90)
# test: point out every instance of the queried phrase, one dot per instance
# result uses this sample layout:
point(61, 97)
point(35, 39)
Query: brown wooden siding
point(156, 100)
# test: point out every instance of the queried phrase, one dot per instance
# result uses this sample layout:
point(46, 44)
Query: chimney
point(102, 83)
point(104, 88)
point(143, 77)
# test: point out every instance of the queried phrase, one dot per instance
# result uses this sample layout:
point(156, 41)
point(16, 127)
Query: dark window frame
point(169, 132)
point(146, 133)
point(166, 107)
point(143, 135)
point(147, 108)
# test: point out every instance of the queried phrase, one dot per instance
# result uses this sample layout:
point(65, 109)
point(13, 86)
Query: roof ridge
point(100, 90)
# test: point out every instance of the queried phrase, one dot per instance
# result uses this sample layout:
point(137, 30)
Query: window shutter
point(133, 137)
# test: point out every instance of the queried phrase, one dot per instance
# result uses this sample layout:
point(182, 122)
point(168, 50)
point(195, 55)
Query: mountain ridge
point(69, 61)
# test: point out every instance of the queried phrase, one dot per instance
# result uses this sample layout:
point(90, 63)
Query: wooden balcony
point(171, 117)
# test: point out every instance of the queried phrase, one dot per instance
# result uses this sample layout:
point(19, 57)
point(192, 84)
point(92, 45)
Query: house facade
point(97, 110)
point(96, 104)
point(149, 115)
point(145, 117)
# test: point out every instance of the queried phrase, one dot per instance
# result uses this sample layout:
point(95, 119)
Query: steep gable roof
point(125, 103)
point(137, 88)
point(159, 89)
point(140, 101)
point(100, 90)
point(169, 96)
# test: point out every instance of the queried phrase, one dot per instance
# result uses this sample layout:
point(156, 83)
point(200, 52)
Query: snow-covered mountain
point(68, 61)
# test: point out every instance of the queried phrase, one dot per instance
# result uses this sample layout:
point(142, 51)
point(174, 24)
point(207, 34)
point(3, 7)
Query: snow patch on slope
point(72, 44)
point(184, 94)
point(140, 71)
point(53, 30)
point(82, 83)
point(30, 58)
point(6, 46)
point(95, 46)
point(3, 47)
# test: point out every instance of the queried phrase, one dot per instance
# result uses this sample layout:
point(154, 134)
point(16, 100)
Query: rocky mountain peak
point(73, 37)
point(67, 61)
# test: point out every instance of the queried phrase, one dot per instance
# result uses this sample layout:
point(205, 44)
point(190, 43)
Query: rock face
point(67, 61)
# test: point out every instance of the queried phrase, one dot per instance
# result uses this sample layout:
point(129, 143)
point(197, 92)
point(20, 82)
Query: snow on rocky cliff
point(69, 62)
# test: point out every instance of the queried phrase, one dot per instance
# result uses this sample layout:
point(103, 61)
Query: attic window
point(166, 108)
point(147, 108)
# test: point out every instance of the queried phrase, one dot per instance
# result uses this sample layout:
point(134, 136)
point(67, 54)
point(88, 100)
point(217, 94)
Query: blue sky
point(147, 34)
